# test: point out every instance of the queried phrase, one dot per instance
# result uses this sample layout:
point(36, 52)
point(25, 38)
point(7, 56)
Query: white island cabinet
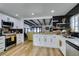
point(0, 24)
point(19, 38)
point(2, 43)
point(45, 40)
point(62, 44)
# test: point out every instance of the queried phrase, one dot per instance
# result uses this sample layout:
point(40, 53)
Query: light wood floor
point(27, 49)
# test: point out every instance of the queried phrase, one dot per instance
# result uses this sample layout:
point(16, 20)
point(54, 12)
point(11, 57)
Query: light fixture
point(52, 11)
point(33, 14)
point(17, 15)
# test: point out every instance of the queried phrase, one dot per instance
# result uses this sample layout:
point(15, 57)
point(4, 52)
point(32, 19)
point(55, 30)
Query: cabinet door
point(19, 39)
point(2, 43)
point(70, 51)
point(16, 22)
point(48, 41)
point(62, 44)
point(41, 40)
point(35, 39)
point(54, 41)
point(0, 24)
point(22, 38)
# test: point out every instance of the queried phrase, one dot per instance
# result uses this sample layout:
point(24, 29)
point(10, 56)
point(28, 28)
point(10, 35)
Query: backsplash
point(75, 34)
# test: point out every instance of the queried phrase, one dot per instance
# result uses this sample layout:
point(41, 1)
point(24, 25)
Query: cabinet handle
point(39, 39)
point(60, 43)
point(51, 40)
point(45, 40)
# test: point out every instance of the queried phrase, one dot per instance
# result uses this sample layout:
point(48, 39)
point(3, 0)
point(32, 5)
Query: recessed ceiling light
point(52, 11)
point(33, 14)
point(17, 15)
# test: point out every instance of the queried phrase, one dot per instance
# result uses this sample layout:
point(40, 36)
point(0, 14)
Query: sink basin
point(71, 37)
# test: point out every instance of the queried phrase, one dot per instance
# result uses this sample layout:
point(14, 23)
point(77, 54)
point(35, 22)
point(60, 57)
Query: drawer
point(2, 44)
point(1, 50)
point(2, 40)
point(19, 40)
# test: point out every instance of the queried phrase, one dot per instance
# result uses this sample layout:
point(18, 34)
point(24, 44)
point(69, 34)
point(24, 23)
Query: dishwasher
point(71, 49)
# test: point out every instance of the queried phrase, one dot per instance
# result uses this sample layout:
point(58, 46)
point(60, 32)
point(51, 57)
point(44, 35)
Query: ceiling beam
point(34, 22)
point(29, 23)
point(50, 21)
point(39, 22)
point(44, 21)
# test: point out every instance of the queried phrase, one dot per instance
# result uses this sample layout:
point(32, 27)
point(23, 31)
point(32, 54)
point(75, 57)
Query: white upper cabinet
point(0, 21)
point(0, 24)
point(15, 23)
point(18, 24)
point(21, 26)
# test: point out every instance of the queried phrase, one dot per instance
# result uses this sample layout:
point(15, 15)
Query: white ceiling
point(25, 10)
point(41, 10)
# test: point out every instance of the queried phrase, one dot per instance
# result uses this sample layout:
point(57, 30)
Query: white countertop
point(74, 41)
point(9, 33)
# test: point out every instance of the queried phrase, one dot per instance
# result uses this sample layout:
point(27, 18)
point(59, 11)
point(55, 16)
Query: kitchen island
point(45, 40)
point(57, 41)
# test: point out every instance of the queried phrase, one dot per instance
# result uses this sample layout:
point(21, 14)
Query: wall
point(72, 12)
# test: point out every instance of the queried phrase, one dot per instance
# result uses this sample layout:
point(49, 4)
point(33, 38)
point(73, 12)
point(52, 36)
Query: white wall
point(26, 26)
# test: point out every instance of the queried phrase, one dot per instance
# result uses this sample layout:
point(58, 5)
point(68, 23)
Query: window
point(34, 29)
point(29, 30)
point(38, 29)
point(74, 20)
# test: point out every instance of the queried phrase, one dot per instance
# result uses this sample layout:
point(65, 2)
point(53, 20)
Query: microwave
point(7, 24)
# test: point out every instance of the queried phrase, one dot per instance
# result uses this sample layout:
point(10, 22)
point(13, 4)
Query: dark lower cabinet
point(9, 42)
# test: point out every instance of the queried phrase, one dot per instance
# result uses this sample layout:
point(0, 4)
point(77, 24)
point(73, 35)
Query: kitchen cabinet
point(45, 40)
point(36, 40)
point(0, 24)
point(15, 24)
point(71, 51)
point(0, 20)
point(52, 41)
point(18, 24)
point(62, 44)
point(19, 38)
point(2, 43)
